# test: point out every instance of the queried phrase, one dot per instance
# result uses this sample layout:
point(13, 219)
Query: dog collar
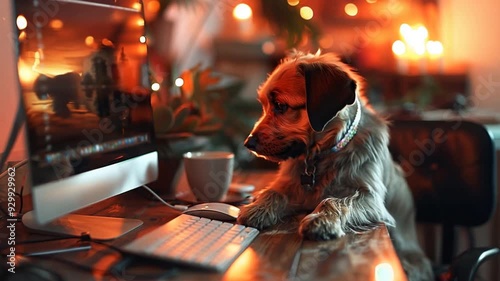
point(308, 178)
point(351, 132)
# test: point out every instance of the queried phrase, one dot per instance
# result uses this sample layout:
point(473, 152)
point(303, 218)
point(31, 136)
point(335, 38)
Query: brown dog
point(334, 156)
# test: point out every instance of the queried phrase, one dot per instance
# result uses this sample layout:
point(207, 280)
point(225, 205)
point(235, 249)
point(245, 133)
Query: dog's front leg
point(267, 209)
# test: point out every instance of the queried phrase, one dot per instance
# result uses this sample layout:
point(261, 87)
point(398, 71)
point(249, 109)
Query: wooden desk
point(276, 254)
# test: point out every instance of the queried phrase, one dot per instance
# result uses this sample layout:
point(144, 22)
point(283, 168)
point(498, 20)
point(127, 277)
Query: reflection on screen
point(83, 70)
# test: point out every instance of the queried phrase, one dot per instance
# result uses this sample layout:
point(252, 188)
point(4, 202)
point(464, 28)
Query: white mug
point(209, 174)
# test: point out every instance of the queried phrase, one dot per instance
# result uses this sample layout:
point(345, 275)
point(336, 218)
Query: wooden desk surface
point(276, 254)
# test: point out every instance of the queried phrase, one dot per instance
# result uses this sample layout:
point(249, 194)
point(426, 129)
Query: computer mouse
point(214, 211)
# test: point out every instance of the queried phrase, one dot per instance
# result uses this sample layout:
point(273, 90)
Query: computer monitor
point(83, 74)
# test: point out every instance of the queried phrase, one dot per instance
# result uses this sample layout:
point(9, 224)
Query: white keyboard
point(195, 241)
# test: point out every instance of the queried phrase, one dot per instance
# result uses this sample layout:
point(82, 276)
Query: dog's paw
point(265, 211)
point(319, 226)
point(257, 216)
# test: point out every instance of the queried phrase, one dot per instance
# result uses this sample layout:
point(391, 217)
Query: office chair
point(450, 167)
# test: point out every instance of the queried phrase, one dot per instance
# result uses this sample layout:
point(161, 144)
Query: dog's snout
point(252, 141)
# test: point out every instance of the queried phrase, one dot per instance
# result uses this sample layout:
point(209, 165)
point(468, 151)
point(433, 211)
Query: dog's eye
point(280, 108)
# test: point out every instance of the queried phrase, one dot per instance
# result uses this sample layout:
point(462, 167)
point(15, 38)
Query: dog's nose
point(251, 141)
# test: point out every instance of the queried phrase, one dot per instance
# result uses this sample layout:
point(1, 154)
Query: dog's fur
point(309, 102)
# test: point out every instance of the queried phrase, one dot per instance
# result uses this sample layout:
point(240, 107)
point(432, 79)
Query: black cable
point(43, 241)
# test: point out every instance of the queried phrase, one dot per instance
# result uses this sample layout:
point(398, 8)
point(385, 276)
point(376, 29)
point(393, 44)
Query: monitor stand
point(99, 228)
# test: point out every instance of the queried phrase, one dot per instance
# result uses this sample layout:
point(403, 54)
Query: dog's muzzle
point(274, 149)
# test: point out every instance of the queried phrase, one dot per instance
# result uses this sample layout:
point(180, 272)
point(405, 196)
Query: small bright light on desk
point(242, 12)
point(384, 272)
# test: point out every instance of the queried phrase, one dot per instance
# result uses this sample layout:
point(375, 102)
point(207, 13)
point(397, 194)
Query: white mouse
point(214, 211)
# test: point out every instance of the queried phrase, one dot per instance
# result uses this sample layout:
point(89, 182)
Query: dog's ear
point(328, 90)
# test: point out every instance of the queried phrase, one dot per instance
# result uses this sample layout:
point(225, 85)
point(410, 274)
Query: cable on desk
point(175, 207)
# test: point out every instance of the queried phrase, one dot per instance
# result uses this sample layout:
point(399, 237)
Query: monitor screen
point(84, 79)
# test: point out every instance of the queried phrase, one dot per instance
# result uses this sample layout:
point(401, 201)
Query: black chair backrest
point(451, 169)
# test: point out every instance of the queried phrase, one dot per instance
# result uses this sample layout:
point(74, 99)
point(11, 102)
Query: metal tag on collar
point(307, 181)
point(308, 178)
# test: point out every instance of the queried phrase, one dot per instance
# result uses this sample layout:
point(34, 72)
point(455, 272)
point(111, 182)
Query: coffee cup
point(209, 174)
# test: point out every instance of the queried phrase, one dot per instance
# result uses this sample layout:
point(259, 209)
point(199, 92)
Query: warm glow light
point(415, 38)
point(137, 6)
point(351, 9)
point(306, 13)
point(142, 39)
point(268, 48)
point(155, 86)
point(419, 48)
point(371, 1)
point(21, 22)
point(179, 82)
point(36, 63)
point(405, 30)
point(140, 22)
point(22, 35)
point(434, 48)
point(89, 41)
point(398, 47)
point(153, 6)
point(56, 24)
point(422, 32)
point(26, 73)
point(242, 12)
point(293, 3)
point(384, 272)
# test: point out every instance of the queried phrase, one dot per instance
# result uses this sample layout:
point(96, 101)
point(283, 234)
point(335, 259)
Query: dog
point(334, 159)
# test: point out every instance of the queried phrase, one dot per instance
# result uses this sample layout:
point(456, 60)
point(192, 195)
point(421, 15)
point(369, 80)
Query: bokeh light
point(155, 86)
point(398, 47)
point(384, 272)
point(351, 9)
point(89, 41)
point(179, 82)
point(306, 12)
point(242, 12)
point(268, 48)
point(56, 24)
point(21, 22)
